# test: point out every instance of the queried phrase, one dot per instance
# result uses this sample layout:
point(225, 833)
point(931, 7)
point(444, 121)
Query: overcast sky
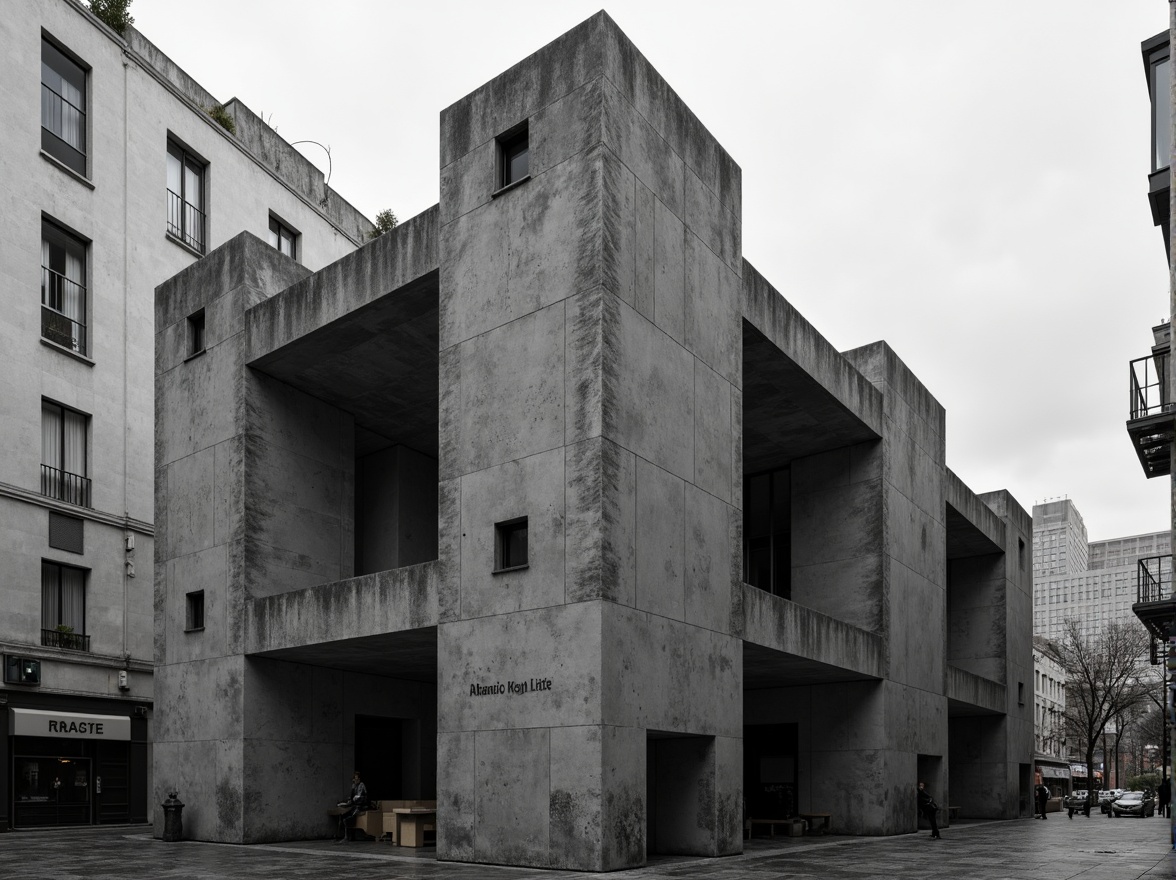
point(964, 180)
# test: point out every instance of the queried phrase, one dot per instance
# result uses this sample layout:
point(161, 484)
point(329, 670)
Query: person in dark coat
point(1165, 798)
point(357, 803)
point(929, 808)
point(1042, 797)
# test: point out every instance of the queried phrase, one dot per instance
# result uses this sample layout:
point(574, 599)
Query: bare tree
point(1104, 673)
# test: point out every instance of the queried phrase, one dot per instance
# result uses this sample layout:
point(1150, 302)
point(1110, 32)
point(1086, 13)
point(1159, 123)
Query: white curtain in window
point(73, 599)
point(51, 435)
point(73, 294)
point(71, 116)
point(74, 457)
point(50, 595)
point(46, 278)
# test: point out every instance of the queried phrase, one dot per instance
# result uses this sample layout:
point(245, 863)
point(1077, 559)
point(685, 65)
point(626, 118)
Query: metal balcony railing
point(63, 310)
point(63, 119)
point(1154, 579)
point(72, 641)
point(185, 221)
point(1149, 386)
point(64, 486)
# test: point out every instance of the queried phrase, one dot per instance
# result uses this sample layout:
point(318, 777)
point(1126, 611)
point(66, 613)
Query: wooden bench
point(771, 825)
point(819, 823)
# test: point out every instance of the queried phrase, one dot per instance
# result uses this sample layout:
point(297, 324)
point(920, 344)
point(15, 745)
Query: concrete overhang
point(786, 644)
point(800, 395)
point(362, 335)
point(383, 624)
point(971, 694)
point(973, 529)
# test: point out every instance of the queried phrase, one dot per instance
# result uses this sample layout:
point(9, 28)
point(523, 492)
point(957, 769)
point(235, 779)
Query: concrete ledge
point(773, 316)
point(406, 254)
point(971, 689)
point(370, 605)
point(785, 626)
point(968, 505)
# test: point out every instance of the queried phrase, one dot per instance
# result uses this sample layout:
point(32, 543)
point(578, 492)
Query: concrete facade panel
point(601, 522)
point(661, 539)
point(512, 777)
point(707, 578)
point(533, 487)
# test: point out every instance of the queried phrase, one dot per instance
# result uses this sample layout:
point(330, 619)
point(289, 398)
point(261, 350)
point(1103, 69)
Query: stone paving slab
point(1026, 849)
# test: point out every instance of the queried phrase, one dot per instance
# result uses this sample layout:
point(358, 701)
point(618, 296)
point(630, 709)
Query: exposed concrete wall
point(837, 534)
point(612, 278)
point(396, 509)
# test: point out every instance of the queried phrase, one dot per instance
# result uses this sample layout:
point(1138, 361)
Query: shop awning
point(1055, 772)
point(69, 725)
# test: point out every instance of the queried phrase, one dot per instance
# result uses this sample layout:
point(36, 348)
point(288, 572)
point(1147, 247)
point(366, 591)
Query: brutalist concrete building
point(547, 505)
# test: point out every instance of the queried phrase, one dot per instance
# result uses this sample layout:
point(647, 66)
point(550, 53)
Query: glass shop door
point(50, 791)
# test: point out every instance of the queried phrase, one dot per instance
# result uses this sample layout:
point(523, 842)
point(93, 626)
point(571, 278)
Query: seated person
point(356, 804)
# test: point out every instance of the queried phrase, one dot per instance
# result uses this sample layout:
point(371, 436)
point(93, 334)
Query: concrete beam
point(376, 604)
point(393, 261)
point(784, 626)
point(976, 529)
point(974, 692)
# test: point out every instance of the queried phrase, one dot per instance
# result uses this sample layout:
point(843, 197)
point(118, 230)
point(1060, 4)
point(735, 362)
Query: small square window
point(195, 618)
point(510, 544)
point(283, 238)
point(514, 157)
point(196, 333)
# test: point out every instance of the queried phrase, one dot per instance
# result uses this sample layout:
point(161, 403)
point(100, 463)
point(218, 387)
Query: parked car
point(1135, 803)
point(1108, 797)
point(1075, 800)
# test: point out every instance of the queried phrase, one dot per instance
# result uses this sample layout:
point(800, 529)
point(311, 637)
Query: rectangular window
point(185, 196)
point(63, 607)
point(63, 288)
point(63, 108)
point(514, 152)
point(63, 454)
point(283, 238)
point(195, 615)
point(1160, 76)
point(510, 544)
point(767, 532)
point(196, 333)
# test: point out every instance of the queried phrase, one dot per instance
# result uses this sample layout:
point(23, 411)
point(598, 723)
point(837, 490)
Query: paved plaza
point(1057, 849)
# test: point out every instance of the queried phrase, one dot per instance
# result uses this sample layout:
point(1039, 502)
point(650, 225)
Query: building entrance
point(51, 791)
point(769, 770)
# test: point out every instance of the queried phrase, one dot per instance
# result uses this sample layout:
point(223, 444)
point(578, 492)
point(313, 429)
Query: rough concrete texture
point(608, 367)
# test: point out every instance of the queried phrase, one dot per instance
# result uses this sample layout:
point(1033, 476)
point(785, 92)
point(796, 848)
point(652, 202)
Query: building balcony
point(1152, 421)
point(1155, 604)
point(71, 641)
point(64, 486)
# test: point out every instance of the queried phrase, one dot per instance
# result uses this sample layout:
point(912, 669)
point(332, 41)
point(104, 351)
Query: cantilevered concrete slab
point(972, 528)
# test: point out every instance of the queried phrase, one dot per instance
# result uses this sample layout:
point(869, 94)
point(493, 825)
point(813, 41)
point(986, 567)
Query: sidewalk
point(1028, 849)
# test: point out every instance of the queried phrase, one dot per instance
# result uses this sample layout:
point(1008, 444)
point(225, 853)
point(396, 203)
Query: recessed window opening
point(63, 108)
point(63, 288)
point(195, 612)
point(515, 157)
point(510, 544)
point(283, 238)
point(64, 454)
point(196, 333)
point(185, 196)
point(63, 607)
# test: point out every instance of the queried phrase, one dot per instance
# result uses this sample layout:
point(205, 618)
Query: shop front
point(75, 768)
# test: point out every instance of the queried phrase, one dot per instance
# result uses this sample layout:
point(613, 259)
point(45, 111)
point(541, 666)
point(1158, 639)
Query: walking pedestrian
point(1042, 793)
point(929, 808)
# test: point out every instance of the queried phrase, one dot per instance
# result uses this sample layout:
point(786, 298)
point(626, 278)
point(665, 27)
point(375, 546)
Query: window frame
point(78, 491)
point(194, 607)
point(197, 334)
point(507, 149)
point(277, 226)
point(187, 222)
point(56, 234)
point(76, 638)
point(504, 559)
point(74, 157)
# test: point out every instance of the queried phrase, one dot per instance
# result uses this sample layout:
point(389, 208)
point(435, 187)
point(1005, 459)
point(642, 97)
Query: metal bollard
point(173, 822)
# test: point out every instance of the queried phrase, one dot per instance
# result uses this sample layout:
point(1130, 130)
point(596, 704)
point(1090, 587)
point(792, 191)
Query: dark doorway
point(769, 770)
point(679, 781)
point(379, 755)
point(112, 788)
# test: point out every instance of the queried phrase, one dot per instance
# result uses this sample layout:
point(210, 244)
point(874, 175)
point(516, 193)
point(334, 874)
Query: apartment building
point(113, 178)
